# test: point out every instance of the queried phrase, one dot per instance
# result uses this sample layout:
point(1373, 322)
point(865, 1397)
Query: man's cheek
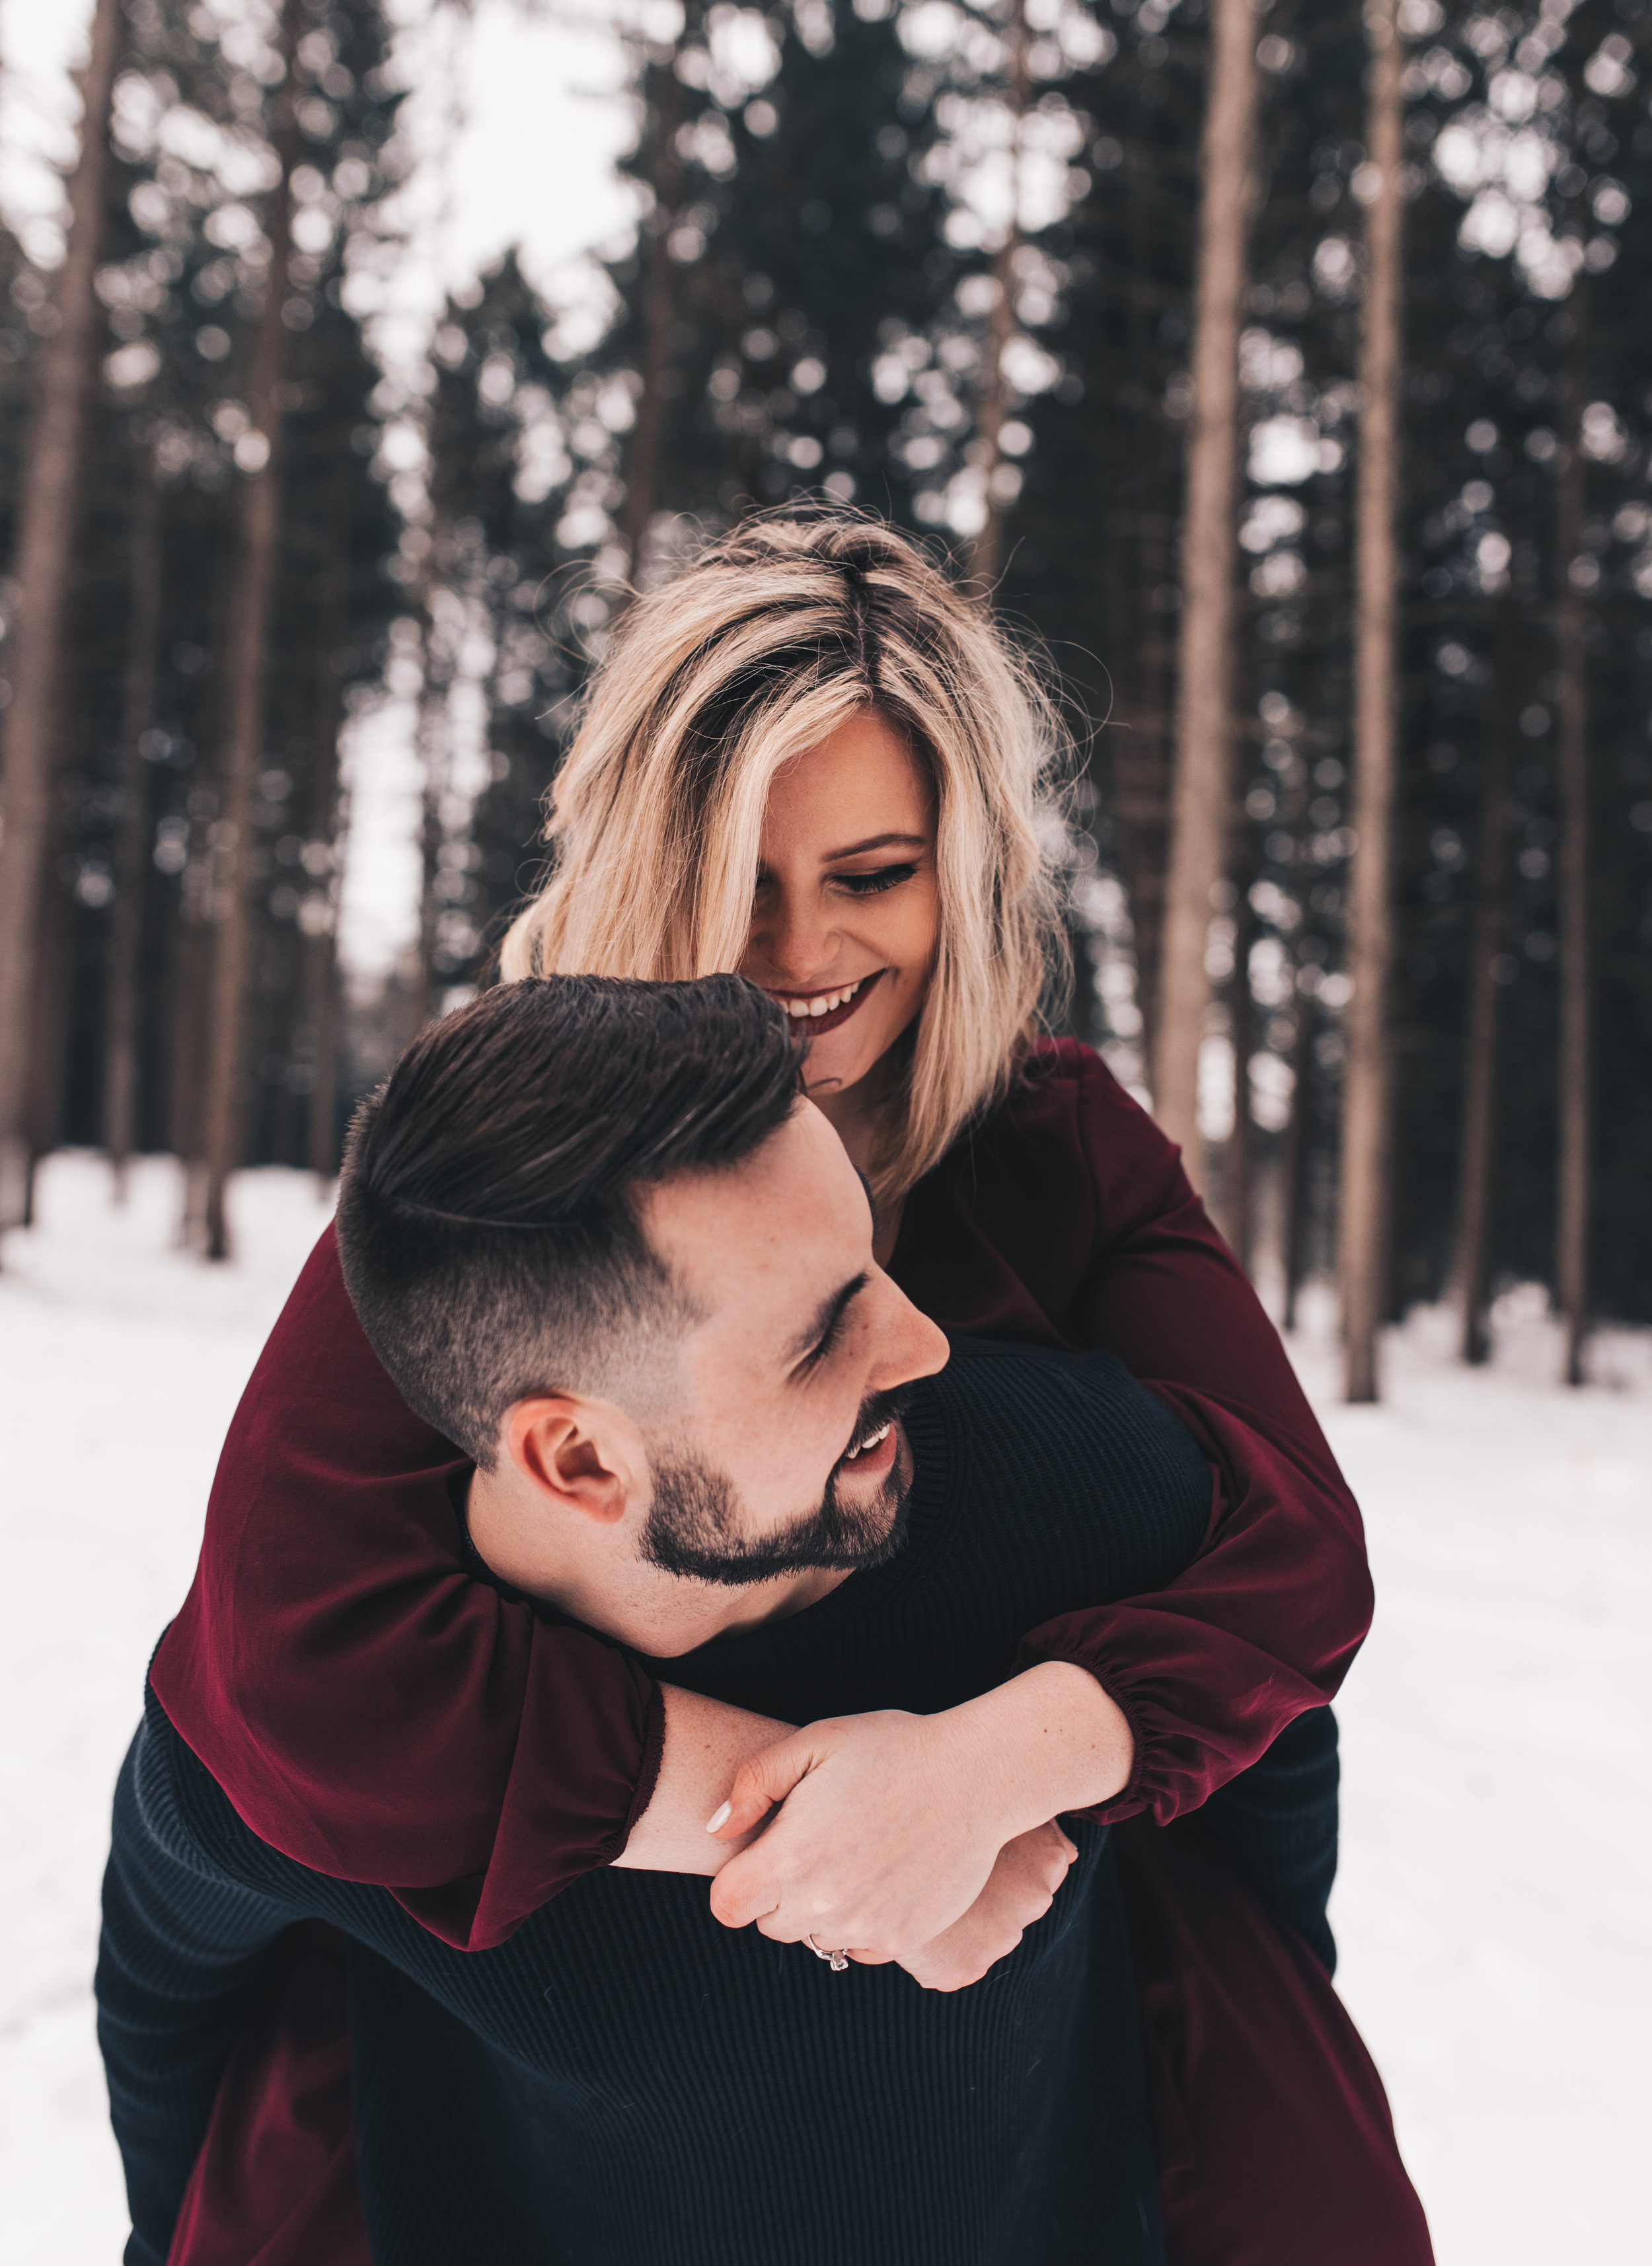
point(789, 1472)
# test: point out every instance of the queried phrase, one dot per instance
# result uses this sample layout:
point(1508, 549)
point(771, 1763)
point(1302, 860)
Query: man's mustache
point(877, 1410)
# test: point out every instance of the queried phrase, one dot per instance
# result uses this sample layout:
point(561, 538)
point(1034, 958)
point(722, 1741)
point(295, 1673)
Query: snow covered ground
point(1497, 1862)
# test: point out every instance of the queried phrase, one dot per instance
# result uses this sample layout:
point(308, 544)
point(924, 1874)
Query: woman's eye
point(873, 884)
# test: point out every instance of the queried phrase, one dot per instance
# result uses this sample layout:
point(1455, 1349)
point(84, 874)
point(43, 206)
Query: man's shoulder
point(181, 1809)
point(1053, 1479)
point(1052, 1418)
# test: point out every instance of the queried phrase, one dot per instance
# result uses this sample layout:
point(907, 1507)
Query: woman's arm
point(1264, 1624)
point(376, 1714)
point(370, 1710)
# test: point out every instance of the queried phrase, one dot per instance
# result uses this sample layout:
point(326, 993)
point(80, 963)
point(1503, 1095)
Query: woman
point(813, 704)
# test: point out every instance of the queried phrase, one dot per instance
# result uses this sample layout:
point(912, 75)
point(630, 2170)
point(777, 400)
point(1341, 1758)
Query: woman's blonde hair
point(757, 651)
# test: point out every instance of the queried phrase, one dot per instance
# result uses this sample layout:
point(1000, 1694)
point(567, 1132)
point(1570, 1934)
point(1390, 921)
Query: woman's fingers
point(885, 1833)
point(761, 1781)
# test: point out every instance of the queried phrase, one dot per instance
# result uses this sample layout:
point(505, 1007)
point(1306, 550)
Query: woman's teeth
point(872, 1440)
point(822, 1004)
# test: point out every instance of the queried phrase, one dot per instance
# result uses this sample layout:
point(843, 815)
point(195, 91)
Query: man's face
point(785, 1449)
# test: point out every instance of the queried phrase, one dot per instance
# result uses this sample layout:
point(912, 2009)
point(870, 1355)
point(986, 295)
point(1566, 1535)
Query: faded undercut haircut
point(488, 1224)
point(758, 650)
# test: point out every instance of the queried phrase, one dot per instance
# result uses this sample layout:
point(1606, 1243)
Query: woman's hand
point(1019, 1890)
point(892, 1824)
point(888, 1832)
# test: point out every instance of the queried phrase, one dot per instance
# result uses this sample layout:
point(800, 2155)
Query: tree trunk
point(54, 1002)
point(246, 672)
point(433, 739)
point(1293, 1164)
point(1571, 1258)
point(659, 302)
point(1366, 1080)
point(132, 842)
point(1209, 565)
point(68, 359)
point(986, 551)
point(189, 978)
point(320, 980)
point(1478, 1147)
point(1238, 1162)
point(1138, 656)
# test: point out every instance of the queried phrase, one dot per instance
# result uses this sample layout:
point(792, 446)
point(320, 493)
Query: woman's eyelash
point(871, 885)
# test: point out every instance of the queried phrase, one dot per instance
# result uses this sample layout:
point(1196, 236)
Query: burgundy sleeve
point(1265, 1622)
point(371, 1709)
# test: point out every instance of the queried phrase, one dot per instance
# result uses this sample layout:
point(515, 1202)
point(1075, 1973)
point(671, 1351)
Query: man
point(596, 1237)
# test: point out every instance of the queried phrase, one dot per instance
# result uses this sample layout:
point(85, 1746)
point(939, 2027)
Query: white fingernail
point(718, 1818)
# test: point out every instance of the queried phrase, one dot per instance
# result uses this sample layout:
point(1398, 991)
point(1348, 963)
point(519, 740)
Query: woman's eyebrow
point(877, 842)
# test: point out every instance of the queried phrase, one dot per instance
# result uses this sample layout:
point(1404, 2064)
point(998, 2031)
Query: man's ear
point(583, 1454)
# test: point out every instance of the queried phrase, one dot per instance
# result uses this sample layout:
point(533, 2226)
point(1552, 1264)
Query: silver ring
point(839, 1959)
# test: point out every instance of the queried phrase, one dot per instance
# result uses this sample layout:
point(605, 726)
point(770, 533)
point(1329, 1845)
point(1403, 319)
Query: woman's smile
point(816, 1013)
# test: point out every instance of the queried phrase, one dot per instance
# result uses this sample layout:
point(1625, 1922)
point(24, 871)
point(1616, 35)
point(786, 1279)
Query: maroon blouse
point(377, 1715)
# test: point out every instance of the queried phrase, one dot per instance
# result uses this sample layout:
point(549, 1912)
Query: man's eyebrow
point(871, 1202)
point(827, 1317)
point(876, 841)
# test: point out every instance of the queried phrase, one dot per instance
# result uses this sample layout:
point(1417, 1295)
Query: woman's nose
point(795, 938)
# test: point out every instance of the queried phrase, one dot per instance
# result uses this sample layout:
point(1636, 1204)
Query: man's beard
point(693, 1526)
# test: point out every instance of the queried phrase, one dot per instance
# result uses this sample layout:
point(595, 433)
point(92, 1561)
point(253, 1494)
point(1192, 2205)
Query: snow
point(1497, 1865)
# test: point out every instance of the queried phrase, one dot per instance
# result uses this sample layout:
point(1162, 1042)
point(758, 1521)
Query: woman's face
point(846, 916)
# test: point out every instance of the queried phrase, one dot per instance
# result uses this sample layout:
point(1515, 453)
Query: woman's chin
point(836, 1065)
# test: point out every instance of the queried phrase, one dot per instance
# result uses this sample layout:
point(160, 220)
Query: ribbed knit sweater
point(626, 2083)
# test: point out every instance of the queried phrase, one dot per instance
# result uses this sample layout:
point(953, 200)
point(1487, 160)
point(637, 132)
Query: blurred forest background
point(1279, 368)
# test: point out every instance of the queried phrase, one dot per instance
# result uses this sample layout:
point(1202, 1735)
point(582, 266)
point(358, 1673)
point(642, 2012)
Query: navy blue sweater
point(626, 2083)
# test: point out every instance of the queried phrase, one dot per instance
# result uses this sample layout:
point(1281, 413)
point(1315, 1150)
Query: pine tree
point(1366, 1086)
point(134, 822)
point(175, 289)
point(1478, 1138)
point(66, 364)
point(510, 437)
point(1204, 752)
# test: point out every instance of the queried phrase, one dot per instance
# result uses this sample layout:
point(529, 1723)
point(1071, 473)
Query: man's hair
point(488, 1218)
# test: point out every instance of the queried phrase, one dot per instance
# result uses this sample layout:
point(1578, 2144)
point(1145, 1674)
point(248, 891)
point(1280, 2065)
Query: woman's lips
point(815, 1027)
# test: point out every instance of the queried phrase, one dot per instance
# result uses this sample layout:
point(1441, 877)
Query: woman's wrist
point(1047, 1741)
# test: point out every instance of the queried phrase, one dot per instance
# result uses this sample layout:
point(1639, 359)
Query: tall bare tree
point(1210, 569)
point(54, 980)
point(131, 859)
point(433, 737)
point(668, 115)
point(246, 670)
point(986, 551)
point(318, 1009)
point(1239, 1160)
point(1571, 1259)
point(1136, 557)
point(1477, 1150)
point(68, 362)
point(1366, 1080)
point(1294, 1190)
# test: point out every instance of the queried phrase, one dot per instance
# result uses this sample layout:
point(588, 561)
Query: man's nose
point(910, 1345)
